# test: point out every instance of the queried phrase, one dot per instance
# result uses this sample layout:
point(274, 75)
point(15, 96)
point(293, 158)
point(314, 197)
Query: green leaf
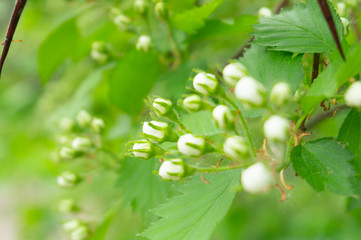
point(141, 188)
point(56, 47)
point(336, 74)
point(132, 79)
point(301, 30)
point(194, 214)
point(193, 19)
point(201, 123)
point(325, 164)
point(222, 28)
point(350, 135)
point(269, 67)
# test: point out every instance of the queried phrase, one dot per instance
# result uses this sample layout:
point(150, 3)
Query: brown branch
point(316, 66)
point(18, 9)
point(278, 8)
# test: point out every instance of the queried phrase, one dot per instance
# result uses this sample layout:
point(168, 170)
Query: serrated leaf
point(350, 135)
point(222, 28)
point(324, 164)
point(303, 29)
point(334, 76)
point(269, 67)
point(56, 47)
point(140, 187)
point(194, 214)
point(132, 79)
point(193, 19)
point(201, 123)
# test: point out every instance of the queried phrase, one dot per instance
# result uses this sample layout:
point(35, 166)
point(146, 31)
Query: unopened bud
point(233, 72)
point(191, 145)
point(144, 43)
point(97, 125)
point(98, 52)
point(341, 9)
point(68, 179)
point(67, 206)
point(280, 93)
point(67, 153)
point(122, 21)
point(81, 144)
point(205, 83)
point(223, 116)
point(236, 148)
point(70, 225)
point(140, 6)
point(353, 95)
point(256, 178)
point(143, 149)
point(346, 25)
point(156, 131)
point(160, 9)
point(162, 106)
point(66, 124)
point(172, 169)
point(80, 233)
point(250, 92)
point(192, 103)
point(277, 128)
point(83, 118)
point(264, 12)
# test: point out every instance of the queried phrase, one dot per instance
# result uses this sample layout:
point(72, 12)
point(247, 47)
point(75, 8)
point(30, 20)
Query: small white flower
point(70, 225)
point(81, 144)
point(67, 153)
point(236, 148)
point(122, 21)
point(256, 178)
point(233, 72)
point(144, 43)
point(192, 103)
point(67, 205)
point(346, 24)
point(97, 125)
point(341, 9)
point(280, 93)
point(142, 149)
point(162, 106)
point(66, 124)
point(68, 179)
point(250, 92)
point(353, 95)
point(264, 12)
point(277, 128)
point(80, 233)
point(140, 6)
point(191, 145)
point(205, 83)
point(172, 169)
point(83, 118)
point(223, 116)
point(155, 131)
point(159, 9)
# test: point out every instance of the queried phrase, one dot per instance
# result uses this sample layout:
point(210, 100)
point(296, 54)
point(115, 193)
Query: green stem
point(218, 169)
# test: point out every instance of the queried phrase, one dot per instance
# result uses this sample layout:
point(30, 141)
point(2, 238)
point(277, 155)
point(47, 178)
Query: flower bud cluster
point(77, 229)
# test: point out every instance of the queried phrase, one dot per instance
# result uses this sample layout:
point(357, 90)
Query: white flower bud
point(256, 178)
point(140, 6)
point(64, 140)
point(264, 12)
point(67, 153)
point(353, 95)
point(81, 144)
point(205, 83)
point(144, 43)
point(280, 93)
point(66, 124)
point(80, 233)
point(83, 118)
point(162, 106)
point(223, 116)
point(159, 9)
point(250, 92)
point(97, 125)
point(68, 179)
point(277, 128)
point(192, 103)
point(346, 25)
point(156, 131)
point(70, 225)
point(236, 148)
point(172, 169)
point(142, 149)
point(191, 145)
point(341, 9)
point(122, 21)
point(67, 206)
point(233, 72)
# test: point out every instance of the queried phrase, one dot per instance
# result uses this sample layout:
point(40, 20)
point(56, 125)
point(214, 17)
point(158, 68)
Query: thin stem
point(218, 169)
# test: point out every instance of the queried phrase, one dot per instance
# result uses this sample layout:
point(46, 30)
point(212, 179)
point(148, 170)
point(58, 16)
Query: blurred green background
point(30, 111)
